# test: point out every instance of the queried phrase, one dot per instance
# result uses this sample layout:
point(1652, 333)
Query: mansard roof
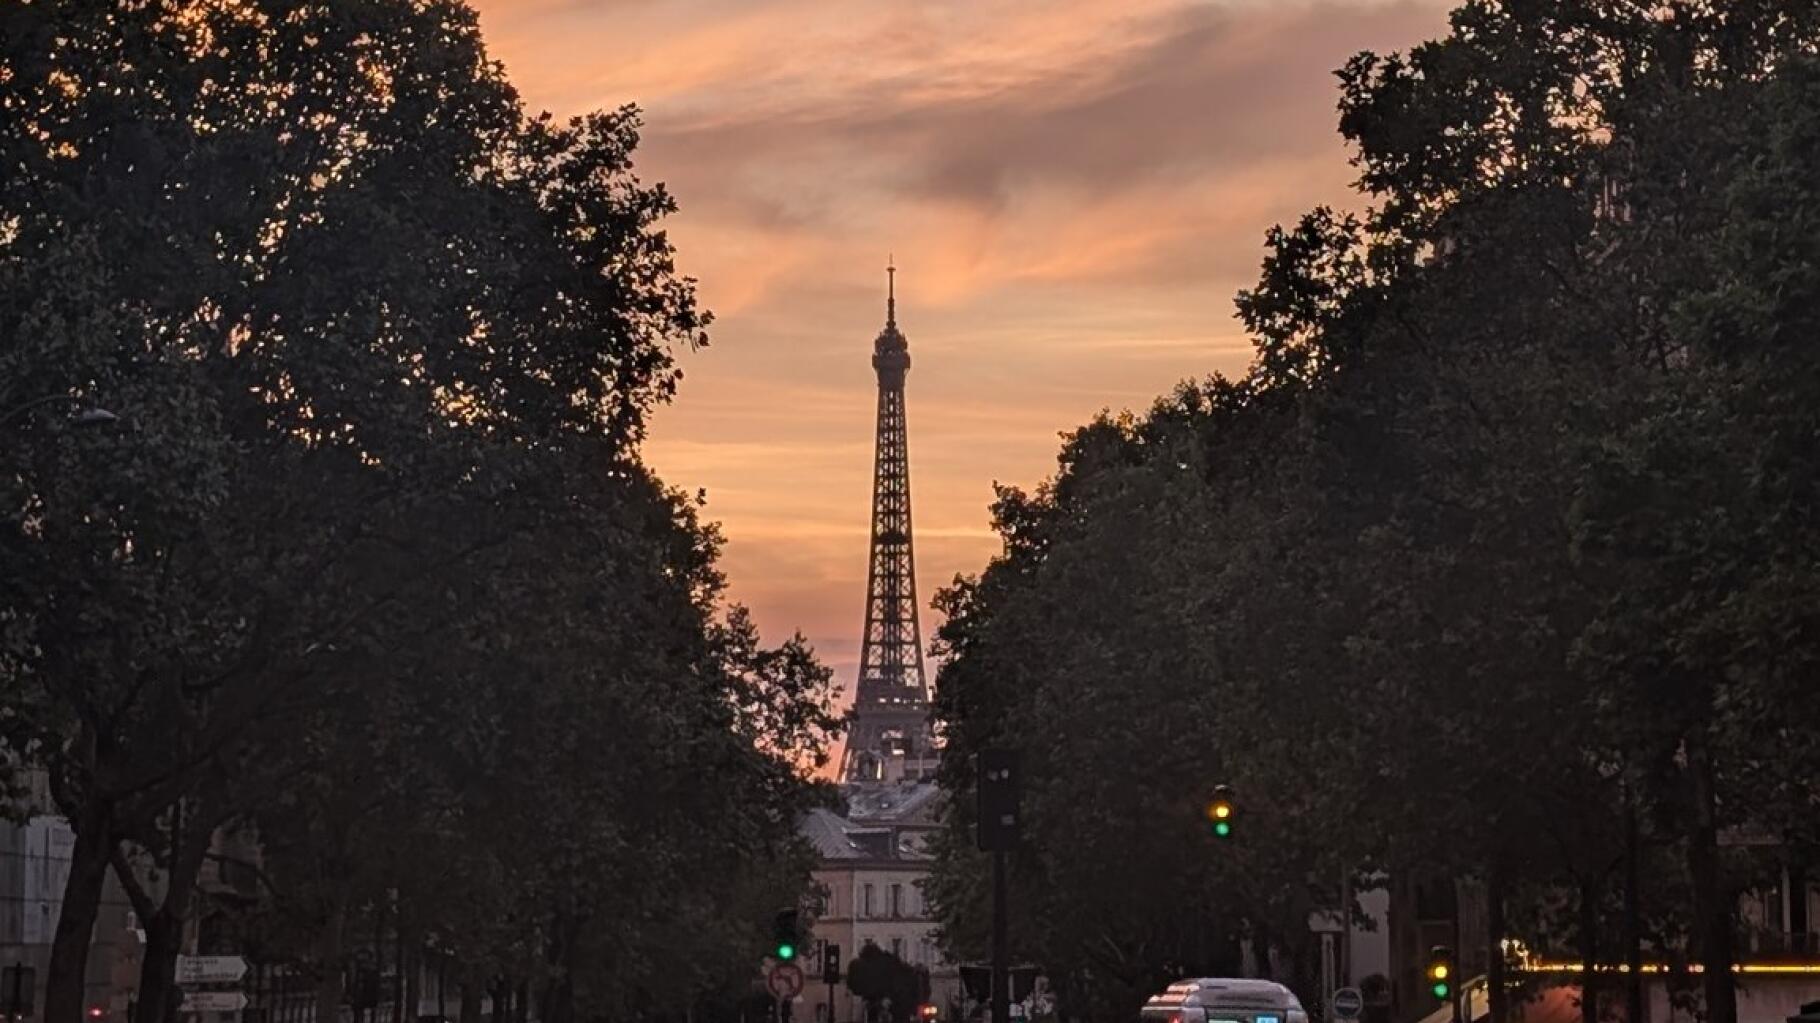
point(884, 823)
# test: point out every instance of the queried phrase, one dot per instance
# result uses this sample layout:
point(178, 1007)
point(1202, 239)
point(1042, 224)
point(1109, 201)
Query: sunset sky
point(1073, 191)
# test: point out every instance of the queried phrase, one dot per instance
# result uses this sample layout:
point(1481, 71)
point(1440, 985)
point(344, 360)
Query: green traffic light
point(1222, 828)
point(1440, 990)
point(786, 951)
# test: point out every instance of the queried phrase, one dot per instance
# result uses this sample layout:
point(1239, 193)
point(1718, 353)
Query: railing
point(1760, 942)
point(1474, 994)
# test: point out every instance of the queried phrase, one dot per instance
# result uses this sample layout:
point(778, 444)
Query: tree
point(383, 345)
point(1475, 529)
point(890, 987)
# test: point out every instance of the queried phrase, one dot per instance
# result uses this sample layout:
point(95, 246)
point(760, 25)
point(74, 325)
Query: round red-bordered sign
point(785, 981)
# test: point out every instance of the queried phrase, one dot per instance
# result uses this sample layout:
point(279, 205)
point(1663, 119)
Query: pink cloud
point(1073, 190)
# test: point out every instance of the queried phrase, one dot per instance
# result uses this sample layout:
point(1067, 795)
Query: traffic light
point(831, 963)
point(1221, 811)
point(784, 936)
point(1440, 971)
point(1000, 785)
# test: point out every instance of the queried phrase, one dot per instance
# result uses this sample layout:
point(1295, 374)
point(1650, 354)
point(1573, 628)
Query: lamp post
point(83, 415)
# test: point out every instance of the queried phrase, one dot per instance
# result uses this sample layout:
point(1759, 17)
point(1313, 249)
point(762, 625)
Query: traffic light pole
point(1001, 947)
point(999, 824)
point(1459, 986)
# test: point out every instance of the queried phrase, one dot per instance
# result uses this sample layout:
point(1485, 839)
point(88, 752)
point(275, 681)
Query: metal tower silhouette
point(889, 736)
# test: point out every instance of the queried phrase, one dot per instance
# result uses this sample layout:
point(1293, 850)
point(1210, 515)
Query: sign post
point(210, 969)
point(201, 971)
point(214, 1001)
point(785, 981)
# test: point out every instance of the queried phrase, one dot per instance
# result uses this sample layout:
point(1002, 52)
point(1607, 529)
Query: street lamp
point(83, 415)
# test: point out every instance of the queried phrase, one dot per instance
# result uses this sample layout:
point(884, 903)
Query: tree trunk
point(472, 994)
point(559, 999)
point(158, 996)
point(329, 954)
point(1496, 995)
point(1260, 951)
point(1633, 916)
point(1589, 951)
point(65, 979)
point(410, 964)
point(159, 999)
point(1712, 917)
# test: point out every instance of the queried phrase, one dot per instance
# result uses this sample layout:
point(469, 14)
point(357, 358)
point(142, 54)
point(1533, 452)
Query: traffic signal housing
point(1222, 812)
point(1440, 971)
point(784, 936)
point(831, 963)
point(1000, 785)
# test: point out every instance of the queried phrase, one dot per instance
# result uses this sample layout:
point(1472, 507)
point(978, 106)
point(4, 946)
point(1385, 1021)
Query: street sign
point(785, 981)
point(1348, 1003)
point(214, 1001)
point(210, 969)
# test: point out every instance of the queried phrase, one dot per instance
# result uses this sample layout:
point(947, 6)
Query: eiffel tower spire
point(889, 737)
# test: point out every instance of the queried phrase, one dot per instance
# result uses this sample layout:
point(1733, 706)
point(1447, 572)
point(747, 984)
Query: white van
point(1224, 1000)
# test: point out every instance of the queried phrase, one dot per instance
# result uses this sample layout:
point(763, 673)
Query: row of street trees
point(366, 566)
point(1499, 563)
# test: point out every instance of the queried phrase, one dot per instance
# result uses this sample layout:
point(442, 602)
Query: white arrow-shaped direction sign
point(210, 969)
point(214, 1001)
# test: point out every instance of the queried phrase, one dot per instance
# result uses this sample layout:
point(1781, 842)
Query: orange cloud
point(1073, 191)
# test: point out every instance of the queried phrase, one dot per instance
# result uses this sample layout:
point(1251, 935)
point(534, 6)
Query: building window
point(897, 900)
point(897, 947)
point(865, 900)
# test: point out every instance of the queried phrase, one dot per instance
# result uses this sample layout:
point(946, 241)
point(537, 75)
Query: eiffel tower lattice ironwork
point(890, 723)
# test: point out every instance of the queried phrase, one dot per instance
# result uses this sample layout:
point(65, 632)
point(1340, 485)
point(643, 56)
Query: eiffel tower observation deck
point(890, 738)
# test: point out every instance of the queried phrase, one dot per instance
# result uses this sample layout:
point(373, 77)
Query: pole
point(1458, 985)
point(830, 1018)
point(1001, 953)
point(1345, 925)
point(1633, 925)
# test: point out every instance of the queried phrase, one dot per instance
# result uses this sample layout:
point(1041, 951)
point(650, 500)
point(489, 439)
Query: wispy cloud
point(1073, 189)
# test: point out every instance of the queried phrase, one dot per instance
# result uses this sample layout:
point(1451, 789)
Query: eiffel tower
point(889, 737)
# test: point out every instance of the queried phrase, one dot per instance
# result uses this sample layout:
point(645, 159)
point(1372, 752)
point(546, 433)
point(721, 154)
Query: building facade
point(873, 863)
point(34, 868)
